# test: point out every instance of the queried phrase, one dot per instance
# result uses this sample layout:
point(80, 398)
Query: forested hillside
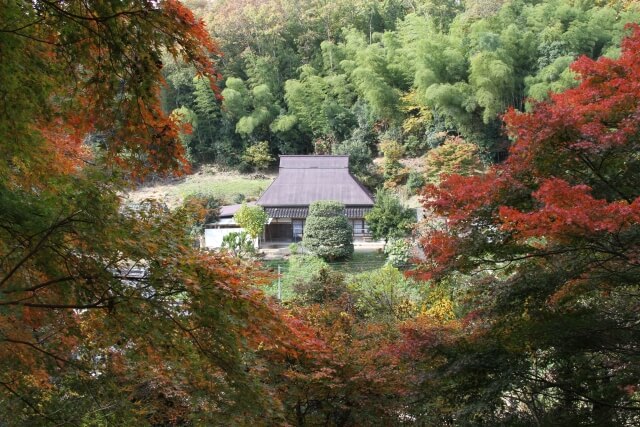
point(343, 76)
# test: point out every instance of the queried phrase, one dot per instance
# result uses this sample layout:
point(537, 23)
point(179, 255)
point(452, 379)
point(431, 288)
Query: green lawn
point(359, 262)
point(290, 274)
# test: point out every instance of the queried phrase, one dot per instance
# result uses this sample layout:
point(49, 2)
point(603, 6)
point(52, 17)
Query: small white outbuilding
point(215, 232)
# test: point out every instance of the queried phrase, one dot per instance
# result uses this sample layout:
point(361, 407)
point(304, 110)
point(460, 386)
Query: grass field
point(224, 188)
point(224, 185)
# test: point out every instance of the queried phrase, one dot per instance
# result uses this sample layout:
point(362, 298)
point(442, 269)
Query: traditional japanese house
point(306, 179)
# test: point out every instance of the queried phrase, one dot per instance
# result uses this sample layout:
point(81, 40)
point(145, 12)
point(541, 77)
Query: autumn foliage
point(108, 315)
point(548, 242)
point(95, 68)
point(528, 314)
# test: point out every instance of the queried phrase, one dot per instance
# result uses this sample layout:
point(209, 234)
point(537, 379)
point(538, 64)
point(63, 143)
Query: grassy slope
point(207, 181)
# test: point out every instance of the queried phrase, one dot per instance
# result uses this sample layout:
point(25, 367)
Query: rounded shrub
point(327, 232)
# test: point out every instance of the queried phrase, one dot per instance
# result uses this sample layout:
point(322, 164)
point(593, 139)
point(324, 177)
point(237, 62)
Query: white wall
point(213, 236)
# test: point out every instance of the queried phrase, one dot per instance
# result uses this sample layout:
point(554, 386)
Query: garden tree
point(385, 295)
point(455, 156)
point(109, 315)
point(353, 381)
point(323, 287)
point(302, 268)
point(549, 241)
point(398, 252)
point(389, 218)
point(327, 232)
point(239, 244)
point(258, 155)
point(252, 219)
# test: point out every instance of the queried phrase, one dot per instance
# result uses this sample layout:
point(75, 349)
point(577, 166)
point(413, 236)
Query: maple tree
point(107, 312)
point(350, 380)
point(548, 241)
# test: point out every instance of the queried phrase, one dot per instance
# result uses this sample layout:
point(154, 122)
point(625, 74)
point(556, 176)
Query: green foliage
point(528, 296)
point(302, 268)
point(493, 83)
point(296, 270)
point(327, 232)
point(360, 156)
point(398, 252)
point(385, 294)
point(236, 97)
point(393, 151)
point(553, 78)
point(415, 181)
point(253, 109)
point(324, 286)
point(207, 133)
point(294, 248)
point(258, 155)
point(252, 219)
point(317, 104)
point(238, 198)
point(430, 66)
point(389, 218)
point(239, 244)
point(226, 188)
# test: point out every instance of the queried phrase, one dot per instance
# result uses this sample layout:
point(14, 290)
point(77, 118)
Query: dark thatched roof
point(306, 179)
